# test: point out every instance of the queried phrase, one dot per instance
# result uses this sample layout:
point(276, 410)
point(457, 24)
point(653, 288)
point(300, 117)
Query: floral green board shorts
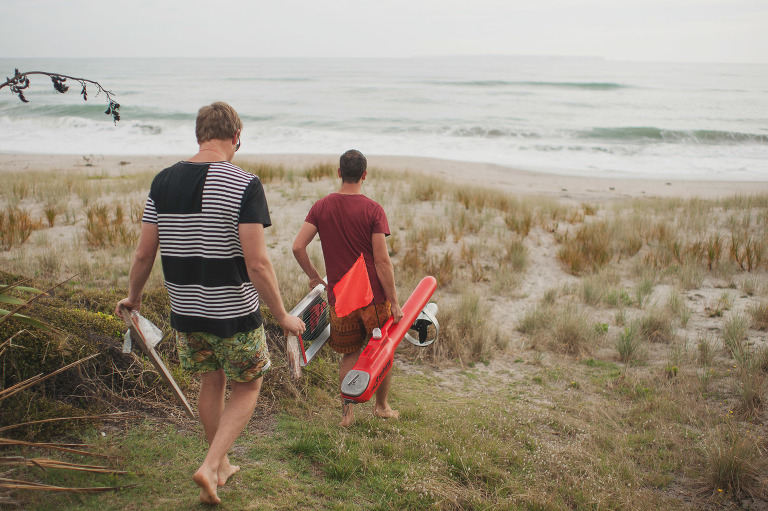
point(244, 357)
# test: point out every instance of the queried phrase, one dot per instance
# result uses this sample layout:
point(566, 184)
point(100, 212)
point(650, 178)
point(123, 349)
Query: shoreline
point(515, 181)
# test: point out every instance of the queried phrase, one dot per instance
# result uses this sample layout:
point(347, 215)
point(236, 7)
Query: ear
point(364, 175)
point(338, 173)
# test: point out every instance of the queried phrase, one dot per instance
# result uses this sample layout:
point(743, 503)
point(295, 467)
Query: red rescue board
point(376, 359)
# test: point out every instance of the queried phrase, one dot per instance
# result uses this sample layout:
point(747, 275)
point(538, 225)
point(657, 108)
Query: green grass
point(490, 451)
point(630, 344)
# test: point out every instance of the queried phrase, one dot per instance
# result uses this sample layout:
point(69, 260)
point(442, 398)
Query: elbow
point(300, 252)
point(383, 266)
point(144, 257)
point(258, 267)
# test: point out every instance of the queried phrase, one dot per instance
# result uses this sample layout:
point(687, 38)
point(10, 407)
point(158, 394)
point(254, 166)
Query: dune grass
point(594, 394)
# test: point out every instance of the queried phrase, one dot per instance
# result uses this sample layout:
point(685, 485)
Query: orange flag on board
point(353, 290)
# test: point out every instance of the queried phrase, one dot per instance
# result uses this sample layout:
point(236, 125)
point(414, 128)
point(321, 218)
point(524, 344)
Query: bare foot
point(226, 471)
point(347, 416)
point(386, 413)
point(206, 480)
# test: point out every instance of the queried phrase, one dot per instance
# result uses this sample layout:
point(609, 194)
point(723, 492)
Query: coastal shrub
point(428, 190)
point(16, 226)
point(30, 406)
point(630, 343)
point(49, 262)
point(733, 462)
point(479, 198)
point(719, 306)
point(746, 251)
point(759, 314)
point(466, 332)
point(751, 286)
point(690, 274)
point(105, 230)
point(706, 346)
point(643, 289)
point(751, 384)
point(442, 268)
point(520, 222)
point(562, 328)
point(573, 332)
point(537, 318)
point(464, 222)
point(735, 331)
point(588, 250)
point(266, 172)
point(677, 307)
point(320, 171)
point(714, 250)
point(51, 211)
point(658, 325)
point(600, 289)
point(515, 255)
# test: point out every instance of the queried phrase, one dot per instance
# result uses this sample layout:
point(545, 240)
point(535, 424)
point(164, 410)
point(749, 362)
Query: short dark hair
point(217, 121)
point(352, 165)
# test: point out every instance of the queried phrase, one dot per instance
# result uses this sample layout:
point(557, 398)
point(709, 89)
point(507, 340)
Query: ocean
point(577, 116)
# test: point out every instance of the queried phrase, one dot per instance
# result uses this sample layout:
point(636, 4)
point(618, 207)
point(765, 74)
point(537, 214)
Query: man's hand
point(313, 283)
point(128, 304)
point(397, 312)
point(292, 325)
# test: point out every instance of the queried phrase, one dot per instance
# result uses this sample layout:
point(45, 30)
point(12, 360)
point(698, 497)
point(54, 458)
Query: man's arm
point(303, 238)
point(141, 266)
point(263, 277)
point(386, 273)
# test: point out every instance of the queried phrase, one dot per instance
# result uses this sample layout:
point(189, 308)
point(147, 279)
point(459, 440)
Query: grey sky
point(661, 30)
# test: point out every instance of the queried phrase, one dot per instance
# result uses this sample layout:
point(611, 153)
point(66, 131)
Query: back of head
point(217, 121)
point(352, 166)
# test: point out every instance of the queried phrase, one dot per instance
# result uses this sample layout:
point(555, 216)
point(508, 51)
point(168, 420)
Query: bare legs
point(222, 425)
point(381, 409)
point(348, 361)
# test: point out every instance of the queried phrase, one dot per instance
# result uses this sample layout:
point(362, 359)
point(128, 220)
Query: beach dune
point(515, 181)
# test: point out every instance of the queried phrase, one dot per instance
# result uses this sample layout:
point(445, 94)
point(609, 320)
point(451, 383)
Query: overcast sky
point(655, 30)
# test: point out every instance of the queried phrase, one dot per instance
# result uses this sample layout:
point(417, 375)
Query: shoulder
point(331, 198)
point(233, 172)
point(371, 205)
point(168, 173)
point(169, 170)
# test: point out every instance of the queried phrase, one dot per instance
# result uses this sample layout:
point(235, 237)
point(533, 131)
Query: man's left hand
point(397, 312)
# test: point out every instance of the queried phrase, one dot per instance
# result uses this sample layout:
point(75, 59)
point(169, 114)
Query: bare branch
point(20, 82)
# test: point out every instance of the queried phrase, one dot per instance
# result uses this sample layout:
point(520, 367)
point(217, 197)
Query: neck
point(351, 188)
point(207, 152)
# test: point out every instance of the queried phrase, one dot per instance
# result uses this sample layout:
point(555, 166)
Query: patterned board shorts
point(350, 333)
point(244, 357)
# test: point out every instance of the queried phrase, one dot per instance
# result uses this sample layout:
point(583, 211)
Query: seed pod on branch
point(20, 81)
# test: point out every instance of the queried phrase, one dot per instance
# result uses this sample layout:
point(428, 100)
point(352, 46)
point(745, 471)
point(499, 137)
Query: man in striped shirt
point(208, 217)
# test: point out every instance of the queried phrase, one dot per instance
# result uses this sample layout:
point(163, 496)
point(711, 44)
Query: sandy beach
point(514, 181)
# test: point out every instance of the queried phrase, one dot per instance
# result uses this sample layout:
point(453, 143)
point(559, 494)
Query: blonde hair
point(217, 121)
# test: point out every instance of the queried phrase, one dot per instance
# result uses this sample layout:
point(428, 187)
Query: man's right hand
point(128, 304)
point(292, 325)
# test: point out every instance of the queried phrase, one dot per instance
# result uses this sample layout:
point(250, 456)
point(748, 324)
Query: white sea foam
point(579, 116)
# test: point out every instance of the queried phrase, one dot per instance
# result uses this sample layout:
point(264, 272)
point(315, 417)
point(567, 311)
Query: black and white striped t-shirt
point(197, 208)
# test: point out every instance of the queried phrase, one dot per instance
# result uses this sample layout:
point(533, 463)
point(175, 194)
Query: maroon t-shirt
point(346, 224)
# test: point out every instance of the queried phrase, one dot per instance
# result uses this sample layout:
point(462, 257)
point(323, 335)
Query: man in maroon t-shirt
point(350, 224)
